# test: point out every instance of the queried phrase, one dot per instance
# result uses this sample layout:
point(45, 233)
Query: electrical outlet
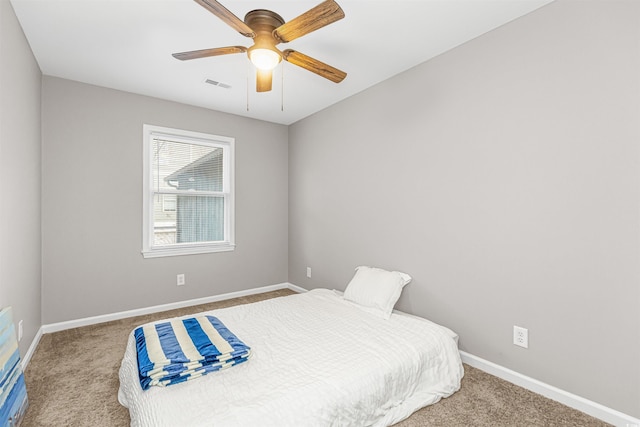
point(309, 272)
point(20, 330)
point(521, 336)
point(180, 280)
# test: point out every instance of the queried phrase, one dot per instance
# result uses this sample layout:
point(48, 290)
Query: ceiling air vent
point(219, 84)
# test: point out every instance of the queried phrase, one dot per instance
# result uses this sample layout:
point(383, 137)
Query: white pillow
point(376, 289)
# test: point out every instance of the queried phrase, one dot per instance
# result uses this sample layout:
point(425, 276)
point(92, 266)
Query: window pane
point(182, 166)
point(195, 219)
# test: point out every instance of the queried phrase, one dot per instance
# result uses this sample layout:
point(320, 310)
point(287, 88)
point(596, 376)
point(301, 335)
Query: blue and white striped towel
point(183, 349)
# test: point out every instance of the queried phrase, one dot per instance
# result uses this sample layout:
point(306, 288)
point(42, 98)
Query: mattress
point(318, 360)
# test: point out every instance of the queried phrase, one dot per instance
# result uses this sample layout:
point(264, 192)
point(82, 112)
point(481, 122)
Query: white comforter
point(318, 360)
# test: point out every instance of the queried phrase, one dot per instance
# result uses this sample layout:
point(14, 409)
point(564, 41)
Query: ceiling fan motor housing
point(263, 22)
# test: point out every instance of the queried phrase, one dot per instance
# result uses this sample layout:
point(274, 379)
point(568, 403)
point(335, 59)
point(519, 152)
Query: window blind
point(193, 176)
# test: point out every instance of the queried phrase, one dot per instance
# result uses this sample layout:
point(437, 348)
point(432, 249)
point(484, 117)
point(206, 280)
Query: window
point(188, 192)
point(169, 202)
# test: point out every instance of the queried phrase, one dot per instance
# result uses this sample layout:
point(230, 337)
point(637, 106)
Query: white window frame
point(228, 144)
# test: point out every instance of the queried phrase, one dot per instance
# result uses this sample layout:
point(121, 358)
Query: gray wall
point(92, 204)
point(20, 261)
point(504, 177)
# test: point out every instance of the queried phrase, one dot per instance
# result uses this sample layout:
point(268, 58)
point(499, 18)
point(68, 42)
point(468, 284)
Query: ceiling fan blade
point(323, 14)
point(264, 79)
point(313, 65)
point(204, 53)
point(227, 16)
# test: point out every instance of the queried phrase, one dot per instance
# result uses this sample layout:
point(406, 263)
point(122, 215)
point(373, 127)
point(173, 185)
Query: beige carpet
point(72, 380)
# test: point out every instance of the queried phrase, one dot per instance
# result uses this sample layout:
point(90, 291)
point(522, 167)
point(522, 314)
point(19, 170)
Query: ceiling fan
point(268, 29)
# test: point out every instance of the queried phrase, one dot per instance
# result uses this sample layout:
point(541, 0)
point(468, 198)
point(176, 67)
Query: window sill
point(193, 250)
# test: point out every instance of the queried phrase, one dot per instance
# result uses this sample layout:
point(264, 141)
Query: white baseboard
point(70, 324)
point(589, 407)
point(296, 288)
point(31, 350)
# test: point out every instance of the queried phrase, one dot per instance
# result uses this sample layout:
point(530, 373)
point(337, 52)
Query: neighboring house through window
point(188, 192)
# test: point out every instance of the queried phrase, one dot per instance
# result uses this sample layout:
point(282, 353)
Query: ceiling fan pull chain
point(282, 87)
point(248, 72)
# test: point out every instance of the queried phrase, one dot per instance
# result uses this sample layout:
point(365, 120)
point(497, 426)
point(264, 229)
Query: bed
point(318, 359)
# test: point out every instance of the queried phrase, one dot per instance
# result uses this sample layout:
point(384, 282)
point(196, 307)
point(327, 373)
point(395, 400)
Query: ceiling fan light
point(264, 59)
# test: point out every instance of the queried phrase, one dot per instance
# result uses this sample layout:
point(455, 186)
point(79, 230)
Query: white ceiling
point(127, 45)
